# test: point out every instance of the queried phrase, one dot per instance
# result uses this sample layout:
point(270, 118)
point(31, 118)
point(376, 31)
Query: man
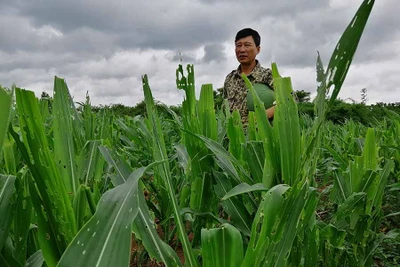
point(247, 47)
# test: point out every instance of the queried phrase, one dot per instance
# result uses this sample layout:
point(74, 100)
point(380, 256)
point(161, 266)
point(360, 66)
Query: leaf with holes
point(105, 239)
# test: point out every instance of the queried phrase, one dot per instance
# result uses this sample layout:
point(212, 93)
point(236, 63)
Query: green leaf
point(90, 162)
point(335, 236)
point(10, 156)
point(286, 126)
point(105, 238)
point(276, 225)
point(343, 54)
point(207, 119)
point(7, 255)
point(319, 107)
point(221, 247)
point(244, 188)
point(267, 218)
point(6, 206)
point(80, 206)
point(394, 187)
point(235, 208)
point(254, 156)
point(156, 248)
point(64, 150)
point(35, 260)
point(265, 129)
point(163, 171)
point(143, 225)
point(52, 200)
point(6, 98)
point(353, 204)
point(22, 217)
point(235, 135)
point(226, 161)
point(122, 169)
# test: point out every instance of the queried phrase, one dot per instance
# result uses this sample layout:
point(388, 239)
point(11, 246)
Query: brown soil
point(138, 249)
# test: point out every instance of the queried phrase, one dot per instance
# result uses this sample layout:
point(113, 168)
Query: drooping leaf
point(235, 208)
point(105, 238)
point(143, 225)
point(244, 188)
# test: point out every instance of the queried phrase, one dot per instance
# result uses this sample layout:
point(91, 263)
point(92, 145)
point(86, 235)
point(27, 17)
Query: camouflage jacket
point(235, 90)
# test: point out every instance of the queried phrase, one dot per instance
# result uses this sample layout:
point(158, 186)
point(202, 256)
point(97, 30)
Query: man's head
point(247, 45)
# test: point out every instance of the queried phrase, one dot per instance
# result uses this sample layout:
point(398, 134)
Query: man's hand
point(270, 112)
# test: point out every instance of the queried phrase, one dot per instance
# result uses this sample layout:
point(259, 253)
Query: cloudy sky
point(104, 47)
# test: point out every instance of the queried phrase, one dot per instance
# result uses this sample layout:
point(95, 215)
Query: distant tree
point(45, 96)
point(303, 96)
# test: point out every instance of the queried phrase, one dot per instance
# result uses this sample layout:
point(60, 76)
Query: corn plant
point(79, 185)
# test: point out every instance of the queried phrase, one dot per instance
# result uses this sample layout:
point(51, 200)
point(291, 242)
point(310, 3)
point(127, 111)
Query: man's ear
point(258, 49)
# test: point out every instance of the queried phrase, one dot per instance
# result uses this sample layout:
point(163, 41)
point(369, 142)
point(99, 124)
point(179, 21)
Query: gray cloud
point(213, 52)
point(105, 47)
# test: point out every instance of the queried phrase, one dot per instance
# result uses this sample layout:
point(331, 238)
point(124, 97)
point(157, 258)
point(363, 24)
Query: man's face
point(246, 50)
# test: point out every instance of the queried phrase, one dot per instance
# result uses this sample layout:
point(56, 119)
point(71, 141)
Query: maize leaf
point(221, 247)
point(164, 173)
point(154, 245)
point(106, 238)
point(266, 219)
point(254, 155)
point(376, 194)
point(354, 204)
point(7, 183)
point(251, 128)
point(22, 217)
point(343, 54)
point(232, 206)
point(226, 161)
point(288, 227)
point(235, 135)
point(90, 163)
point(266, 135)
point(287, 127)
point(244, 188)
point(207, 118)
point(196, 193)
point(52, 200)
point(332, 245)
point(198, 118)
point(275, 226)
point(6, 98)
point(6, 255)
point(80, 205)
point(64, 149)
point(335, 74)
point(143, 225)
point(10, 159)
point(35, 260)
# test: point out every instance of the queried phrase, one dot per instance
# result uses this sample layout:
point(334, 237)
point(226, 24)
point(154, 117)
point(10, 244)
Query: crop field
point(80, 187)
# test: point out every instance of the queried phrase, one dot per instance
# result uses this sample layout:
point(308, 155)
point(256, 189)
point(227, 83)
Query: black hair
point(248, 32)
